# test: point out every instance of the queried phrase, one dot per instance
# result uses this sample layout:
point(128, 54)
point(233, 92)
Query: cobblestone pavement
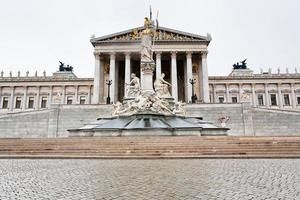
point(150, 179)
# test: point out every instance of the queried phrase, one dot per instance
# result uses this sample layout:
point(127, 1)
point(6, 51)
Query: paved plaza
point(150, 179)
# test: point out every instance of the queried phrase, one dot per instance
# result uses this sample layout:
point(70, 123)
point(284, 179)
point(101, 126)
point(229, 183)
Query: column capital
point(292, 84)
point(158, 52)
point(204, 54)
point(112, 54)
point(189, 53)
point(97, 55)
point(127, 54)
point(173, 53)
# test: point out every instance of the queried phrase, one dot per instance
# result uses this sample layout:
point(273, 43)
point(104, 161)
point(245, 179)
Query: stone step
point(152, 147)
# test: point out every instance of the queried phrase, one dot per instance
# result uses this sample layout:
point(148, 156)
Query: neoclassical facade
point(180, 56)
point(176, 54)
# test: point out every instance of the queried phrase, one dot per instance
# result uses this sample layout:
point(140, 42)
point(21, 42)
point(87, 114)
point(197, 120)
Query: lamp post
point(193, 81)
point(108, 83)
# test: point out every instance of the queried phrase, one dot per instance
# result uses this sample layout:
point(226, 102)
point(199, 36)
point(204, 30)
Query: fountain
point(147, 110)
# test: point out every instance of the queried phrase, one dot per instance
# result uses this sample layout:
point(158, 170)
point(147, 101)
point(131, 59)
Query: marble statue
point(179, 108)
point(134, 87)
point(161, 87)
point(117, 108)
point(142, 98)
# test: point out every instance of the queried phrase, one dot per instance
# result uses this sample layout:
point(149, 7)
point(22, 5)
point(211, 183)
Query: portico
point(180, 56)
point(177, 66)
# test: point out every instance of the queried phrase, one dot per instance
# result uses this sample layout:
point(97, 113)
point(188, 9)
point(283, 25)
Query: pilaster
point(293, 95)
point(253, 94)
point(279, 96)
point(267, 95)
point(24, 101)
point(37, 101)
point(227, 92)
point(12, 97)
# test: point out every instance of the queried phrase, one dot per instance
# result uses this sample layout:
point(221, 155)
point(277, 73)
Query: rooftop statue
point(63, 68)
point(240, 65)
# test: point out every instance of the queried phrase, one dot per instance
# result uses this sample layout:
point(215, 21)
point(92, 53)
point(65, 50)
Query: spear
point(155, 29)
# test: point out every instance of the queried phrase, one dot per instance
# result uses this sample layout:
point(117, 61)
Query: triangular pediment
point(161, 34)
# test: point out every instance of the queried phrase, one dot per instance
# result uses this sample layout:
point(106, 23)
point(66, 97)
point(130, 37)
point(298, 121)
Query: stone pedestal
point(147, 69)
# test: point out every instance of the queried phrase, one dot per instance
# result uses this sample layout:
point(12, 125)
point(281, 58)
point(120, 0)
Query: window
point(221, 99)
point(234, 99)
point(273, 100)
point(260, 99)
point(30, 102)
point(44, 102)
point(286, 98)
point(298, 100)
point(5, 103)
point(69, 100)
point(82, 100)
point(18, 102)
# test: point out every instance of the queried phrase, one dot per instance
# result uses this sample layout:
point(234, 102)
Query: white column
point(158, 65)
point(37, 103)
point(253, 94)
point(24, 102)
point(50, 96)
point(96, 92)
point(174, 76)
point(112, 76)
point(189, 73)
point(12, 96)
point(204, 71)
point(279, 95)
point(227, 93)
point(293, 95)
point(76, 95)
point(127, 71)
point(116, 80)
point(267, 95)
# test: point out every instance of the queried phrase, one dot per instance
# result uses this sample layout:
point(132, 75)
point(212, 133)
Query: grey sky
point(35, 34)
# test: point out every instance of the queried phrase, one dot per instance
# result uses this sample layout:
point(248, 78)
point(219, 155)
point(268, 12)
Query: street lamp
point(194, 97)
point(108, 83)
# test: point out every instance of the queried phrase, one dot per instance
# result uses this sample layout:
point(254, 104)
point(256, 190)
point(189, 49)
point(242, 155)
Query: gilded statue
point(146, 51)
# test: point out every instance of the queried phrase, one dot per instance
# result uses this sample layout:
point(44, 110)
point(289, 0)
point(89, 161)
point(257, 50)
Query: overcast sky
point(36, 34)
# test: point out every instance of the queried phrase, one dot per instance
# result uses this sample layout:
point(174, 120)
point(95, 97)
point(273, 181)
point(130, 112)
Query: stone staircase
point(152, 147)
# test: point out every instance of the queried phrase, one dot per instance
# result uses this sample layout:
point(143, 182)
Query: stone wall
point(276, 122)
point(27, 124)
point(54, 122)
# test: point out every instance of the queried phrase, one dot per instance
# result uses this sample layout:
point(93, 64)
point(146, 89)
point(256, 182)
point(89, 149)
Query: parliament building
point(38, 105)
point(179, 55)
